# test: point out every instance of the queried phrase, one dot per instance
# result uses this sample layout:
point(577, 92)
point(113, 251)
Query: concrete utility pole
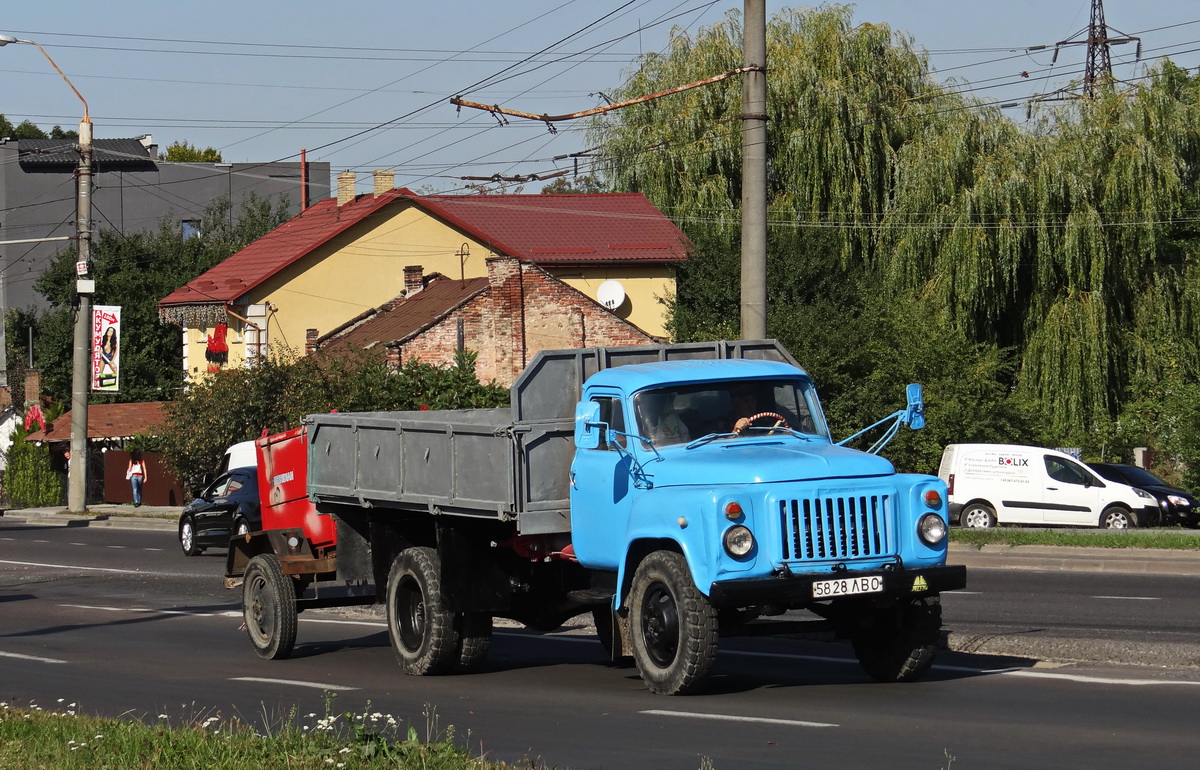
point(754, 171)
point(84, 287)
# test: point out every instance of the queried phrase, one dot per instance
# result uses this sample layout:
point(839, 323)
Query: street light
point(84, 287)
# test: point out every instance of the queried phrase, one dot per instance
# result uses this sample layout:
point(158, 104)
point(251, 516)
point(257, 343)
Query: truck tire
point(978, 516)
point(1116, 517)
point(269, 608)
point(421, 630)
point(474, 641)
point(672, 625)
point(187, 537)
point(899, 643)
point(602, 618)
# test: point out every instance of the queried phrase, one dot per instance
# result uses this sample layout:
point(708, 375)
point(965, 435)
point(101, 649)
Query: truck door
point(1071, 495)
point(601, 491)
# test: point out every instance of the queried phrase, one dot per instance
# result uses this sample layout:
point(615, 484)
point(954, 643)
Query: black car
point(228, 506)
point(1177, 506)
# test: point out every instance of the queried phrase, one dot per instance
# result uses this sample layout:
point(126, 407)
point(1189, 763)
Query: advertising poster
point(106, 339)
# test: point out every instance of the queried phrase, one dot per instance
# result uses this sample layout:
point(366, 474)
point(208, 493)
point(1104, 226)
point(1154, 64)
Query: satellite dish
point(611, 294)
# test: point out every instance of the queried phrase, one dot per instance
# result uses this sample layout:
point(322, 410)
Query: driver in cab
point(750, 408)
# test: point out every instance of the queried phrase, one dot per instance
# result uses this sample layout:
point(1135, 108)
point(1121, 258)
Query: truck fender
point(241, 551)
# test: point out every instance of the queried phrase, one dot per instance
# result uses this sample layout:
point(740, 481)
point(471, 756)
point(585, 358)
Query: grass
point(62, 739)
point(1152, 538)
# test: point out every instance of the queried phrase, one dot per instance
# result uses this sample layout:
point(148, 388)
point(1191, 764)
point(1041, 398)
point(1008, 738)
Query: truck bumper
point(795, 590)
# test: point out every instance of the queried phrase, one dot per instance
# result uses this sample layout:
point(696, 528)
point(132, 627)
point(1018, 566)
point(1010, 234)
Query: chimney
point(385, 180)
point(345, 181)
point(413, 279)
point(310, 341)
point(33, 386)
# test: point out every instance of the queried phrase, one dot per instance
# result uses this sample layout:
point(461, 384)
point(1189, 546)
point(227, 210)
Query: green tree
point(134, 271)
point(183, 152)
point(30, 480)
point(240, 404)
point(1059, 259)
point(28, 130)
point(579, 184)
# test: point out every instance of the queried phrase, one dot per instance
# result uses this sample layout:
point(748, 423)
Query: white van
point(992, 484)
point(243, 454)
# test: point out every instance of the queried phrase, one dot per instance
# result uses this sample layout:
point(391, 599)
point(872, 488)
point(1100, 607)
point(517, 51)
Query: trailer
point(620, 483)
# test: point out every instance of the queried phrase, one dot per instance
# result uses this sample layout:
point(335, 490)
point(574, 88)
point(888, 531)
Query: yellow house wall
point(643, 288)
point(364, 268)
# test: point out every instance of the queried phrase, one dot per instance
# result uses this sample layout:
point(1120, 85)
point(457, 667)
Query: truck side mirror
point(914, 415)
point(587, 425)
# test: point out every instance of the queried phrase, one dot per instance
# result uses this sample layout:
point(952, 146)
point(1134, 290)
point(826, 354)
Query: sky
point(366, 85)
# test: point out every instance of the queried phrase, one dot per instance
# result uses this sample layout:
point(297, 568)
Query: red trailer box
point(282, 482)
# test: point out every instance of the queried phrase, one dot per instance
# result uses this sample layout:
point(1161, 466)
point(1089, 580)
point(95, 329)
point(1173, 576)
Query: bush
point(30, 480)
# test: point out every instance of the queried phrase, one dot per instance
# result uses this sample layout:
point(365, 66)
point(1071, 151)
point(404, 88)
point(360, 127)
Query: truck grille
point(836, 527)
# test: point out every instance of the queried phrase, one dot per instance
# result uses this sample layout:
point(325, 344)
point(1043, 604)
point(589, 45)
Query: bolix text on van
point(991, 484)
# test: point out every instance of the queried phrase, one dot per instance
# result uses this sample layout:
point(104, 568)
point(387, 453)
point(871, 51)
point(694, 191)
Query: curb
point(1054, 558)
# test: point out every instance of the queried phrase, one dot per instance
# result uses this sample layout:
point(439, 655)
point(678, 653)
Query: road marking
point(72, 566)
point(30, 657)
point(293, 682)
point(114, 546)
point(151, 549)
point(192, 613)
point(41, 541)
point(76, 543)
point(733, 718)
point(1132, 598)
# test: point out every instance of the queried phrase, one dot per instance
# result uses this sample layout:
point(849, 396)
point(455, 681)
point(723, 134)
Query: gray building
point(132, 191)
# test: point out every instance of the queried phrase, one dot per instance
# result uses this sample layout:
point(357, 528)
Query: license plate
point(824, 589)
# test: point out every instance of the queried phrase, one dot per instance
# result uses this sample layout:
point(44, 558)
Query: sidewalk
point(164, 517)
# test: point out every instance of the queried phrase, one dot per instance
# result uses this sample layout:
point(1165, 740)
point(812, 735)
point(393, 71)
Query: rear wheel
point(421, 630)
point(1116, 517)
point(474, 641)
point(978, 516)
point(187, 537)
point(898, 643)
point(672, 625)
point(269, 607)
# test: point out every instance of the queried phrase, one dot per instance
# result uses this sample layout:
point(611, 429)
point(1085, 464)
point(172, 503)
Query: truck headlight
point(931, 528)
point(738, 541)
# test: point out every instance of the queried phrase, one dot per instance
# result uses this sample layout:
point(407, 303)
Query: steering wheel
point(780, 422)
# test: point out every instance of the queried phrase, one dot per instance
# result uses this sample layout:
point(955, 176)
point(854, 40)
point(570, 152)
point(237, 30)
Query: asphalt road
point(119, 622)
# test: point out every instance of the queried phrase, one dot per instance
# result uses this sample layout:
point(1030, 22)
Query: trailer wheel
point(672, 625)
point(422, 631)
point(187, 537)
point(474, 641)
point(269, 607)
point(898, 643)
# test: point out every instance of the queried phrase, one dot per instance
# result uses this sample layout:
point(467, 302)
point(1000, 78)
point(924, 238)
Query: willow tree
point(1068, 241)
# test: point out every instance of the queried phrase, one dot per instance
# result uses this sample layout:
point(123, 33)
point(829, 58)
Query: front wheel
point(241, 528)
point(978, 516)
point(672, 625)
point(421, 630)
point(187, 537)
point(1116, 517)
point(269, 607)
point(897, 644)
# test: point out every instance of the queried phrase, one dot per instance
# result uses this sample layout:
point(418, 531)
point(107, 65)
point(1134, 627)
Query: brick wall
point(525, 310)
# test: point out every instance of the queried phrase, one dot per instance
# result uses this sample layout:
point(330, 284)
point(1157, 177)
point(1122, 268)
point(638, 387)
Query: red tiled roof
point(413, 314)
point(566, 229)
point(107, 421)
point(601, 228)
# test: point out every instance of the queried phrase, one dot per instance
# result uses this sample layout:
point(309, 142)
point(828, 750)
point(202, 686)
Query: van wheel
point(978, 516)
point(1116, 517)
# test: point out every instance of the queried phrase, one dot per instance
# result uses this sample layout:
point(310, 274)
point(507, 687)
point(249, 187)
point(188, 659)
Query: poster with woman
point(106, 336)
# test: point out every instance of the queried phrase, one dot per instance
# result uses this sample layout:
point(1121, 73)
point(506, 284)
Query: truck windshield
point(682, 413)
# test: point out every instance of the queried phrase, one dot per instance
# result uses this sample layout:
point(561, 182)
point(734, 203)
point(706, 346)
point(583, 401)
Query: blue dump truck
point(677, 493)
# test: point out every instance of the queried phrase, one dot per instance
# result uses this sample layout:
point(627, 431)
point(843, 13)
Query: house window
point(190, 228)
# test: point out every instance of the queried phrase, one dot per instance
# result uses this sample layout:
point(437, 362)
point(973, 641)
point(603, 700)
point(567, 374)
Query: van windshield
point(682, 413)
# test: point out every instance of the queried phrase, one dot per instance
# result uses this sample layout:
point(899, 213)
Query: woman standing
point(136, 473)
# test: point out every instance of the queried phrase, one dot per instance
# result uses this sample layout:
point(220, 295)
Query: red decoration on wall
point(217, 352)
point(35, 416)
